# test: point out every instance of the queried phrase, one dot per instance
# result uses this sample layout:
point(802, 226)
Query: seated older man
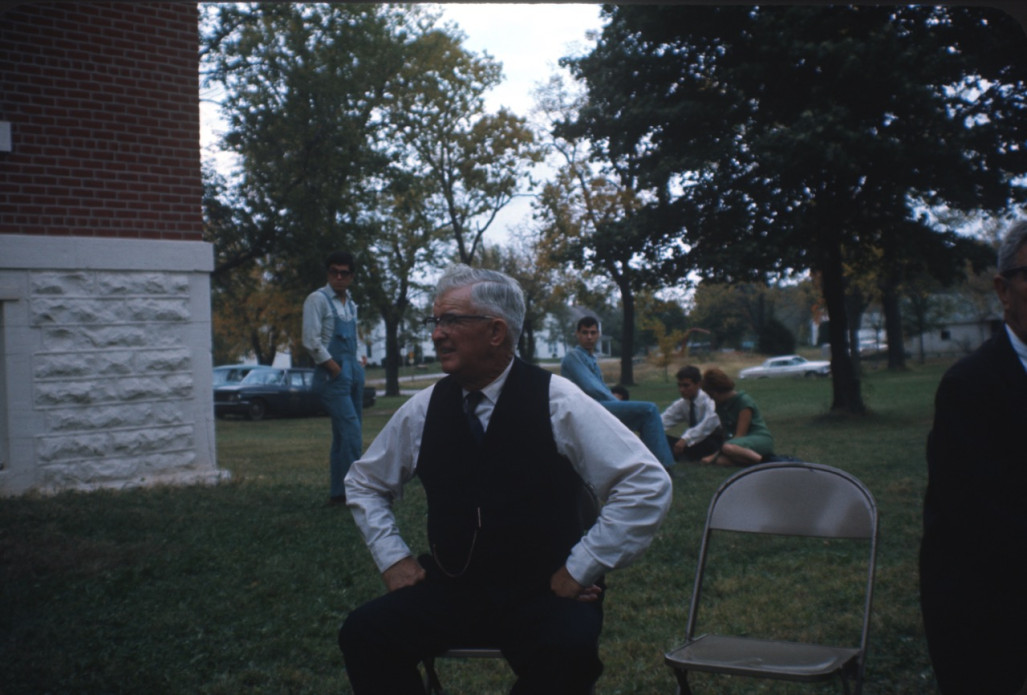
point(504, 451)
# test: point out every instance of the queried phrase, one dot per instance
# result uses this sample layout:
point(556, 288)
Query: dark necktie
point(691, 413)
point(471, 401)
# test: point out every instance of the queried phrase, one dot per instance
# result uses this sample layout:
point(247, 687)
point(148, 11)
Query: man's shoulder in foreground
point(990, 358)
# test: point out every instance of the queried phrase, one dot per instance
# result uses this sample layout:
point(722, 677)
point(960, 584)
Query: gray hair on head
point(1015, 238)
point(492, 292)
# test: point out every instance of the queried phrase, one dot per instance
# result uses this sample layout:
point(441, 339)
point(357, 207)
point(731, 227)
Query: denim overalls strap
point(343, 345)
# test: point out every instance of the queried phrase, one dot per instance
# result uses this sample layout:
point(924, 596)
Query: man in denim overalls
point(330, 336)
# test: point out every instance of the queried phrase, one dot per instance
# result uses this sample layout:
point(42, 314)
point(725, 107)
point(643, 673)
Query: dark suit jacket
point(973, 557)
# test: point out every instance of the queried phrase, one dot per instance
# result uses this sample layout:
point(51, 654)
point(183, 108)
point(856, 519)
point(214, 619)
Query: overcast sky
point(527, 39)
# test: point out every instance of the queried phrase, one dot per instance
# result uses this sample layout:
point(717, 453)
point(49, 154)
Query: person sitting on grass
point(581, 367)
point(620, 393)
point(747, 438)
point(695, 408)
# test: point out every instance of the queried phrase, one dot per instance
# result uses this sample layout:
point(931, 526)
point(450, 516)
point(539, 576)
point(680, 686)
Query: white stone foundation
point(105, 364)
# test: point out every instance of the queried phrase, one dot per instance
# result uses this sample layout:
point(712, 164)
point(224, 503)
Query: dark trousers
point(697, 450)
point(551, 643)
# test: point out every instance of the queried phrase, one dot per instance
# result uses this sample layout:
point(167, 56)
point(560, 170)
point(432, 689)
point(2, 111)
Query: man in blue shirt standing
point(580, 366)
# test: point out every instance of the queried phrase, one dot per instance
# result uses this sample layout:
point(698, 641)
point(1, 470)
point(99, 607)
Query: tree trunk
point(526, 342)
point(844, 379)
point(893, 327)
point(854, 304)
point(257, 344)
point(392, 356)
point(627, 366)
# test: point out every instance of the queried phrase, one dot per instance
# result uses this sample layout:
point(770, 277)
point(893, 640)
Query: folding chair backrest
point(794, 499)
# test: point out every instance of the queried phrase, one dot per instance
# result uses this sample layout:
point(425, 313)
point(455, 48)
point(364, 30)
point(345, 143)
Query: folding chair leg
point(432, 686)
point(683, 687)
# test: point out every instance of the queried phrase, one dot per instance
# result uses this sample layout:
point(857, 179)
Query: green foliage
point(241, 587)
point(356, 126)
point(771, 139)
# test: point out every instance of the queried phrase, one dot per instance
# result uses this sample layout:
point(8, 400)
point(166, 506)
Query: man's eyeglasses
point(450, 320)
point(1011, 273)
point(335, 273)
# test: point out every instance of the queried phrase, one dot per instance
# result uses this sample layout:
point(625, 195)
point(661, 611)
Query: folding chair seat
point(791, 499)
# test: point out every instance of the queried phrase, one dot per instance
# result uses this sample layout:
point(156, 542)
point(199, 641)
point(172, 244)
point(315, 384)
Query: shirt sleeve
point(313, 323)
point(675, 414)
point(575, 368)
point(375, 481)
point(634, 487)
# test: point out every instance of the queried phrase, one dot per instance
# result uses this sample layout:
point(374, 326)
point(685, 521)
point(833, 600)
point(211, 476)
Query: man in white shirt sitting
point(695, 408)
point(504, 451)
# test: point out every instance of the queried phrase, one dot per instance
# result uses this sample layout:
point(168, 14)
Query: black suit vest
point(506, 512)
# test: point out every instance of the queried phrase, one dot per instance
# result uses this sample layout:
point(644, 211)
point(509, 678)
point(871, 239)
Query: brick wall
point(103, 101)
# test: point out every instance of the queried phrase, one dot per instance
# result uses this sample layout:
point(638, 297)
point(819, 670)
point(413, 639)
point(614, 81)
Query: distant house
point(105, 332)
point(960, 333)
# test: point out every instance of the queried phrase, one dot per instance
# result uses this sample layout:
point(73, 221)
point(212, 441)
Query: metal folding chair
point(785, 499)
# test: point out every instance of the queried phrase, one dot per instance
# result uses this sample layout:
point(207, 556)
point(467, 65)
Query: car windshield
point(229, 375)
point(264, 376)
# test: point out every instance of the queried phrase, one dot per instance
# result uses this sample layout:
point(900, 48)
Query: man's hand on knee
point(565, 586)
point(406, 572)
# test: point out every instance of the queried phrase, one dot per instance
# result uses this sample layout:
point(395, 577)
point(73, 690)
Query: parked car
point(872, 347)
point(786, 365)
point(272, 391)
point(234, 373)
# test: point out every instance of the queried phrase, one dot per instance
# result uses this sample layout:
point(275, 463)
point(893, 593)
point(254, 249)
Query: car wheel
point(257, 410)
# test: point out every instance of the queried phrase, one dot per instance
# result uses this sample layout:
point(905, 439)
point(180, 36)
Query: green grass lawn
point(241, 587)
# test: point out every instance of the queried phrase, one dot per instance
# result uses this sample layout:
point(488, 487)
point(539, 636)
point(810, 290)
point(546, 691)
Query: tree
point(358, 127)
point(663, 321)
point(927, 309)
point(406, 242)
point(251, 318)
point(588, 217)
point(776, 139)
point(303, 89)
point(475, 161)
point(742, 312)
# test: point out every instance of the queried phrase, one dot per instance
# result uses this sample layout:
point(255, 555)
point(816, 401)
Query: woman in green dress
point(748, 439)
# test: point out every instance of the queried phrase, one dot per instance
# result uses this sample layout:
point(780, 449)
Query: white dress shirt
point(608, 457)
point(706, 418)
